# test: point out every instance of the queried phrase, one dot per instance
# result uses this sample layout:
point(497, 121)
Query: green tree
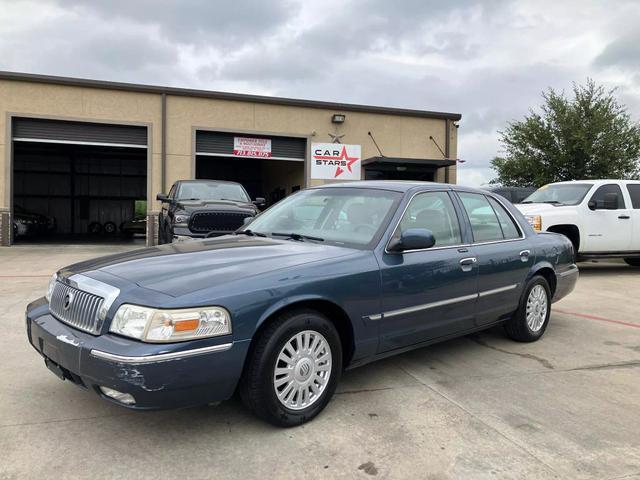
point(588, 136)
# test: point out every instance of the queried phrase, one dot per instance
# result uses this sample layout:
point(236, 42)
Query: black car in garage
point(26, 223)
point(201, 208)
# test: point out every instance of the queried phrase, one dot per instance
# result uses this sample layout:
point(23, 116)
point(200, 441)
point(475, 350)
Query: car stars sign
point(335, 161)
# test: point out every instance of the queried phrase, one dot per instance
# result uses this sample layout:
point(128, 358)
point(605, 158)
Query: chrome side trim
point(572, 271)
point(82, 282)
point(375, 317)
point(426, 306)
point(160, 357)
point(486, 293)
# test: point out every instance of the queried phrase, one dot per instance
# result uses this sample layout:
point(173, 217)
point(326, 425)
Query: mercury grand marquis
point(329, 278)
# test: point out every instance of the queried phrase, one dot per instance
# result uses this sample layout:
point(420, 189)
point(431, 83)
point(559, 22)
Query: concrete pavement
point(480, 406)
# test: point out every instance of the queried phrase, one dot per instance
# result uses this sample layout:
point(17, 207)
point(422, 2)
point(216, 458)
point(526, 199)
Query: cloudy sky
point(488, 60)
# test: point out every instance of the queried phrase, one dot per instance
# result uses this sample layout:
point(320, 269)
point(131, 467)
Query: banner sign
point(252, 147)
point(335, 161)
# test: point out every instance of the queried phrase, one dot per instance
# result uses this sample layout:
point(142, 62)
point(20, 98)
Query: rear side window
point(433, 211)
point(634, 193)
point(598, 197)
point(484, 222)
point(509, 228)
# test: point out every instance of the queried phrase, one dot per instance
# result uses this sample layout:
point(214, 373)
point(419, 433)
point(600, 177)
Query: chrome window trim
point(160, 357)
point(95, 287)
point(463, 245)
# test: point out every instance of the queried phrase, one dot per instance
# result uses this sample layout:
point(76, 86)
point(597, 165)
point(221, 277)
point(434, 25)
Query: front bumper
point(158, 376)
point(181, 234)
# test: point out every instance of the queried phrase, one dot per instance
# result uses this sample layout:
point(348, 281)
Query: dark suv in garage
point(201, 208)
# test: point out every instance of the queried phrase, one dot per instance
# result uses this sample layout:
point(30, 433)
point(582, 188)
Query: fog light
point(125, 398)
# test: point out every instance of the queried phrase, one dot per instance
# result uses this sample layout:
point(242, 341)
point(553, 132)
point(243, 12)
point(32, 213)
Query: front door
point(428, 293)
point(607, 230)
point(503, 260)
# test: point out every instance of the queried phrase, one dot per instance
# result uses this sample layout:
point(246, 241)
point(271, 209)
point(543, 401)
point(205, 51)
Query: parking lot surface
point(480, 406)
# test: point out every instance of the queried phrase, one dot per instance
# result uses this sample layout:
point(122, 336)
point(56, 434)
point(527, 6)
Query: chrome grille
point(82, 311)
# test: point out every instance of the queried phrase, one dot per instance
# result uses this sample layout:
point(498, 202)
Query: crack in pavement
point(542, 361)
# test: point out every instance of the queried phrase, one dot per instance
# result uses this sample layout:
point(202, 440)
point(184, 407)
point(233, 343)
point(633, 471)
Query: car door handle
point(624, 217)
point(467, 263)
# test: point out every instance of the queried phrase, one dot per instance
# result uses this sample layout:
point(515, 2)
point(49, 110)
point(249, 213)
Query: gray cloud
point(487, 60)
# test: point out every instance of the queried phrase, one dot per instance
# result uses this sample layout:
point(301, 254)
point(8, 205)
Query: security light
point(338, 118)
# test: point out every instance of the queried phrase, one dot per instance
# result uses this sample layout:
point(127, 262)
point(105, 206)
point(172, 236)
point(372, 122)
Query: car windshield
point(212, 191)
point(560, 193)
point(344, 216)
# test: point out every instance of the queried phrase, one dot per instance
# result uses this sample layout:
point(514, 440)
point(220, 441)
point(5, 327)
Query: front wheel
point(293, 369)
point(634, 262)
point(532, 317)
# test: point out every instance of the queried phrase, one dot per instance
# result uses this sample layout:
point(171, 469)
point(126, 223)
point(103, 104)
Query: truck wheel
point(293, 369)
point(532, 317)
point(109, 228)
point(634, 262)
point(95, 228)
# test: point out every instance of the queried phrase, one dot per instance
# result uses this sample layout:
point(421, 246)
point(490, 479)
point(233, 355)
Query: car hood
point(179, 268)
point(537, 208)
point(193, 205)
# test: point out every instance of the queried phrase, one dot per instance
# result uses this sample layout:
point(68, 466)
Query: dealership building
point(88, 152)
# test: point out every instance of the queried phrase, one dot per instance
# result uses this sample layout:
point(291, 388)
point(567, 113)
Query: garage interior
point(271, 178)
point(89, 177)
point(393, 168)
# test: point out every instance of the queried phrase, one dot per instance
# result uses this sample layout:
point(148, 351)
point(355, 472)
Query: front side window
point(484, 222)
point(433, 211)
point(634, 193)
point(600, 193)
point(345, 216)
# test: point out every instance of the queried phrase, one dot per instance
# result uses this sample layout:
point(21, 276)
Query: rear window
point(634, 193)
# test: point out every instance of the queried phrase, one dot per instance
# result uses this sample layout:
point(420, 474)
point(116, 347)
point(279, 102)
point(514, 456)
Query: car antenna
point(375, 143)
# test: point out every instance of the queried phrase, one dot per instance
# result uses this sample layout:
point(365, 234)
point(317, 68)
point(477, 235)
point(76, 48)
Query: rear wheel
point(293, 369)
point(634, 262)
point(532, 317)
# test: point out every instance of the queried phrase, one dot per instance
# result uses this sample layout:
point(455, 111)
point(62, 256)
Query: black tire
point(634, 262)
point(257, 389)
point(95, 228)
point(517, 327)
point(109, 228)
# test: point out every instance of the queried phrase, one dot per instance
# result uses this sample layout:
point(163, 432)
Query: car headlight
point(160, 326)
point(535, 221)
point(51, 286)
point(182, 219)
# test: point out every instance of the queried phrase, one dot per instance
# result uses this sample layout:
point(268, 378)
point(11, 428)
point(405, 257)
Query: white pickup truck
point(600, 217)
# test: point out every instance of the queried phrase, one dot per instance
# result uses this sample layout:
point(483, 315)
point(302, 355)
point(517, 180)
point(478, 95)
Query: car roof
point(207, 181)
point(401, 186)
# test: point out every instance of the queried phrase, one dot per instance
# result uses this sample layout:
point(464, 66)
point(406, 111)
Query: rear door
point(607, 230)
point(428, 293)
point(502, 255)
point(633, 189)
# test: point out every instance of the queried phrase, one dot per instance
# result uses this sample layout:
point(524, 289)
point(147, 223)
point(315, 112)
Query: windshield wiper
point(250, 233)
point(297, 236)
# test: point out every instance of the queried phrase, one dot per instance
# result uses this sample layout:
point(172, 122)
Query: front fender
point(285, 302)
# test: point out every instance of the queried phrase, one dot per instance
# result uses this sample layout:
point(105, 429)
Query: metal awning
point(412, 162)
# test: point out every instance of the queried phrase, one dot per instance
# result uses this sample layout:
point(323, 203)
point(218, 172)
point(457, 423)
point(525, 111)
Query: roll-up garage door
point(80, 133)
point(222, 144)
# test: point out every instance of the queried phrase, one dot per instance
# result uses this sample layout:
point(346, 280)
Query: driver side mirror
point(259, 201)
point(162, 197)
point(413, 239)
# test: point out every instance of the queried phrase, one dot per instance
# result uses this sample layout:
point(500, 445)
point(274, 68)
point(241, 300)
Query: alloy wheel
point(302, 370)
point(537, 306)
